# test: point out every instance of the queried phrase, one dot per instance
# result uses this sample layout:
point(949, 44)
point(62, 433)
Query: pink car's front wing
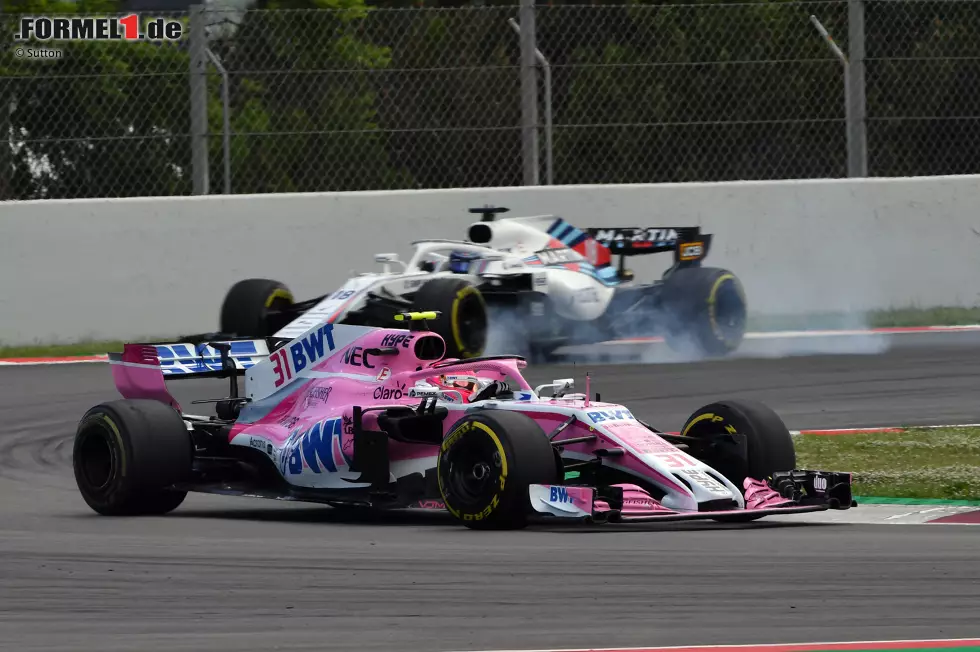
point(629, 503)
point(799, 492)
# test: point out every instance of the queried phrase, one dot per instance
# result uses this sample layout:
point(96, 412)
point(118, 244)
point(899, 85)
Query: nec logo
point(611, 415)
point(303, 352)
point(356, 357)
point(560, 495)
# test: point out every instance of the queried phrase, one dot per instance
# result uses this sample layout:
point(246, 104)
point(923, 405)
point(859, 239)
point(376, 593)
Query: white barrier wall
point(129, 268)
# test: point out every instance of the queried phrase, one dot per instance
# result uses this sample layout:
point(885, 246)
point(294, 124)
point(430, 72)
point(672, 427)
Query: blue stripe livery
point(186, 359)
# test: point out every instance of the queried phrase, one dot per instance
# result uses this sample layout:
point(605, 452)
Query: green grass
point(924, 317)
point(82, 347)
point(920, 463)
point(875, 319)
point(58, 350)
point(814, 321)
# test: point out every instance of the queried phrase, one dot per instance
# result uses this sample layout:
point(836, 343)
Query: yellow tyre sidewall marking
point(278, 294)
point(495, 501)
point(454, 318)
point(712, 296)
point(122, 448)
point(709, 416)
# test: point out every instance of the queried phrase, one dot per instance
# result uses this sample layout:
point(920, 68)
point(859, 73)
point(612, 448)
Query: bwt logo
point(560, 495)
point(303, 352)
point(311, 348)
point(320, 447)
point(611, 415)
point(820, 483)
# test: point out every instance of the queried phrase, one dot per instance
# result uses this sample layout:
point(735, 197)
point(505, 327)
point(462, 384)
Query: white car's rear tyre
point(246, 309)
point(704, 311)
point(463, 323)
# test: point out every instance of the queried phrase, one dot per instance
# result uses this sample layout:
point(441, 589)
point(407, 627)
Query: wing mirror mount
point(386, 260)
point(560, 387)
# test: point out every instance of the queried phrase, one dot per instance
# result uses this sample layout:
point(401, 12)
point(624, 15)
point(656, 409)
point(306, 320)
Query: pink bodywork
point(136, 374)
point(328, 390)
point(759, 495)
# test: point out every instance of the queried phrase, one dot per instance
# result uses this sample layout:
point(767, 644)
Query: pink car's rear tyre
point(128, 454)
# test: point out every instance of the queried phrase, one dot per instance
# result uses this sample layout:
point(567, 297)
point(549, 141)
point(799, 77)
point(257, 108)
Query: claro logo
point(389, 393)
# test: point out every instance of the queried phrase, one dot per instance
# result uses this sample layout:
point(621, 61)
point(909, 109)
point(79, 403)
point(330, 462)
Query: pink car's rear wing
point(141, 370)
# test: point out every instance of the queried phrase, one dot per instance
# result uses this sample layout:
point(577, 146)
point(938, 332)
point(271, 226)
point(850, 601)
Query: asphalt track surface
point(238, 574)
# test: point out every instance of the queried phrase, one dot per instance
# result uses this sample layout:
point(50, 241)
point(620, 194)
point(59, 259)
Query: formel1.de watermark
point(90, 28)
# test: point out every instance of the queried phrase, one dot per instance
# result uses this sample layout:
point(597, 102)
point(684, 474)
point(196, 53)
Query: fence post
point(6, 154)
point(199, 100)
point(857, 126)
point(548, 139)
point(225, 118)
point(529, 94)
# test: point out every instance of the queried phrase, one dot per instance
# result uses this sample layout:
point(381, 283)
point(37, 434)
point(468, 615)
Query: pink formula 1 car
point(375, 417)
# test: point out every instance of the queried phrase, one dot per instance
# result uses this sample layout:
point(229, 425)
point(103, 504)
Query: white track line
point(742, 647)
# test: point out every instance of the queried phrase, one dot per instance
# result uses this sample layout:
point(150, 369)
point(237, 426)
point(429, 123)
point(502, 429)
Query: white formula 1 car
point(547, 282)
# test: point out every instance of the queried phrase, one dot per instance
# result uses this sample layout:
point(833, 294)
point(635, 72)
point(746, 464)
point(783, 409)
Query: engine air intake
point(480, 233)
point(430, 347)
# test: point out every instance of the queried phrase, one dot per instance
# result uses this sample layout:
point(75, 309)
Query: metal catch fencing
point(361, 98)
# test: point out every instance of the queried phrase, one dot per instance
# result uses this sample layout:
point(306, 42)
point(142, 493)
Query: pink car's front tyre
point(486, 465)
point(768, 443)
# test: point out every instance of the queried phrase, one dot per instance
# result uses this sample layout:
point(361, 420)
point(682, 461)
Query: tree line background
point(354, 95)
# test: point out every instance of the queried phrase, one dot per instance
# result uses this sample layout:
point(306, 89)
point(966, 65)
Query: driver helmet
point(467, 385)
point(460, 261)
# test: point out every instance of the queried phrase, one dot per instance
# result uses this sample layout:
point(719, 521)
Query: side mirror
point(560, 386)
point(386, 260)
